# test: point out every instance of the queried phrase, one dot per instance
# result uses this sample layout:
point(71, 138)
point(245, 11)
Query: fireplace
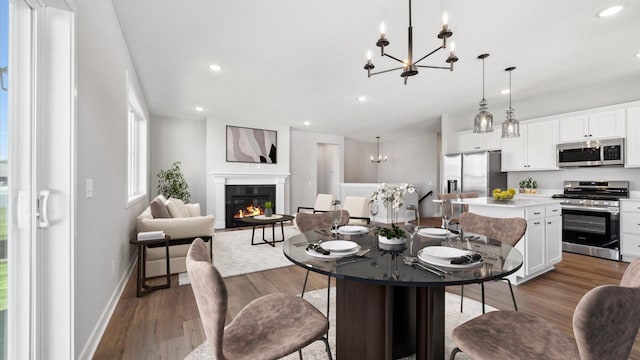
point(246, 200)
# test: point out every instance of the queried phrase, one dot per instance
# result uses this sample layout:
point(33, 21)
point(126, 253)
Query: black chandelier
point(410, 67)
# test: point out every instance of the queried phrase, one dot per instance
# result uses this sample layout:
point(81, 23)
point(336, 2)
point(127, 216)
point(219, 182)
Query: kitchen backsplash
point(554, 179)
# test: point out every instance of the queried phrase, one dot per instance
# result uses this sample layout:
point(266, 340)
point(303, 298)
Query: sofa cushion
point(159, 209)
point(177, 208)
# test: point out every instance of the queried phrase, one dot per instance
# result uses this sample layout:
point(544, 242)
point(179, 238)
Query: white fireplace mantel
point(221, 179)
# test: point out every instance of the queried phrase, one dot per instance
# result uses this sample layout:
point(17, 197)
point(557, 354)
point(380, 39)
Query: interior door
point(329, 169)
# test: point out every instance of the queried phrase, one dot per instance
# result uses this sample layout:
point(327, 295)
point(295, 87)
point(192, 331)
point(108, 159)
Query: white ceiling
point(290, 61)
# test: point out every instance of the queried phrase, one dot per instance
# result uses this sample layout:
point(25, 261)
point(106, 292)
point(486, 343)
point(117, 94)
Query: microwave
point(591, 153)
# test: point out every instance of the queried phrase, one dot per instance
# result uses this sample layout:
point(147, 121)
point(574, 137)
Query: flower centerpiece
point(392, 197)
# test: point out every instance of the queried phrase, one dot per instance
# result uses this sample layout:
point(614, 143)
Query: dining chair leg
point(482, 286)
point(326, 343)
point(515, 306)
point(300, 353)
point(461, 296)
point(304, 286)
point(454, 352)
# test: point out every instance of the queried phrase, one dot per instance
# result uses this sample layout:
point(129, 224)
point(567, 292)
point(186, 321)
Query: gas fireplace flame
point(250, 210)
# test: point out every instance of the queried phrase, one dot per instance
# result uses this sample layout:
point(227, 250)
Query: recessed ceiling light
point(505, 91)
point(637, 55)
point(362, 98)
point(199, 108)
point(307, 123)
point(215, 67)
point(610, 11)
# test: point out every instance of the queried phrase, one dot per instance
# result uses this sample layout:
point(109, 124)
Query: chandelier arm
point(434, 67)
point(394, 58)
point(386, 71)
point(429, 54)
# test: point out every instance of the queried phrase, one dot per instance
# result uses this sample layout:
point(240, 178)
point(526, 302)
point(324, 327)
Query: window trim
point(137, 148)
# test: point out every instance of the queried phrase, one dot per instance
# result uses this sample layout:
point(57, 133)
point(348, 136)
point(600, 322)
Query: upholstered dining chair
point(323, 221)
point(358, 208)
point(323, 203)
point(605, 325)
point(506, 230)
point(269, 327)
point(467, 195)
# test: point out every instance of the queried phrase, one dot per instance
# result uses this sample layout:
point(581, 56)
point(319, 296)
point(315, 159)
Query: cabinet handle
point(590, 135)
point(585, 135)
point(554, 210)
point(536, 223)
point(536, 213)
point(549, 222)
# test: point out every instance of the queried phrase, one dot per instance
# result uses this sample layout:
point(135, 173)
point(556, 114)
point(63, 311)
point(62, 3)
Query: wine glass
point(373, 209)
point(336, 215)
point(447, 212)
point(411, 223)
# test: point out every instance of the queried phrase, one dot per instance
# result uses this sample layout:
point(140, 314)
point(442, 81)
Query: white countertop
point(516, 202)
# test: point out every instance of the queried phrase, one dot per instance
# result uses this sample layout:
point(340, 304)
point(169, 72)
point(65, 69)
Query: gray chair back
point(606, 321)
point(506, 230)
point(310, 222)
point(210, 293)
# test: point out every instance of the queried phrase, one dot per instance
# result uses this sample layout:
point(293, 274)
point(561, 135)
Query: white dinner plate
point(445, 262)
point(338, 245)
point(443, 252)
point(353, 229)
point(262, 217)
point(431, 232)
point(333, 255)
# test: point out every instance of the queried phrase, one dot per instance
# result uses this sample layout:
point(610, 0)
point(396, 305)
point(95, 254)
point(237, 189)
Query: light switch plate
point(89, 188)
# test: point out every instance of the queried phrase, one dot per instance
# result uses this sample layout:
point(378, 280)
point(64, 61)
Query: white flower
point(392, 195)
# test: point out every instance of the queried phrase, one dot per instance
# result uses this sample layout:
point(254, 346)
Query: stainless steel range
point(591, 217)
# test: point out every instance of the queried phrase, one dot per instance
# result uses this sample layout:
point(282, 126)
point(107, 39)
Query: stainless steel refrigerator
point(477, 171)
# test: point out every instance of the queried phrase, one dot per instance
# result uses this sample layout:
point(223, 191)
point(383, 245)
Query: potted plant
point(523, 185)
point(392, 234)
point(534, 187)
point(268, 212)
point(171, 183)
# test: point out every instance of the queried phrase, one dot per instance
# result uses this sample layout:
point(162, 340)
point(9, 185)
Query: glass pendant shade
point(511, 126)
point(483, 121)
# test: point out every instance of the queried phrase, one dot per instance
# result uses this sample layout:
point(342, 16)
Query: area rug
point(316, 351)
point(233, 253)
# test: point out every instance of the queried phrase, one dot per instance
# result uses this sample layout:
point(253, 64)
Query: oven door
point(591, 226)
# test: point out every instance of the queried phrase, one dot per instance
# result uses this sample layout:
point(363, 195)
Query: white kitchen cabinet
point(534, 246)
point(632, 143)
point(553, 239)
point(593, 126)
point(535, 149)
point(630, 229)
point(469, 141)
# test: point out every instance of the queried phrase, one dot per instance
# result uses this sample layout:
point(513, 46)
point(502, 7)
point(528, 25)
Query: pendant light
point(511, 126)
point(483, 122)
point(380, 158)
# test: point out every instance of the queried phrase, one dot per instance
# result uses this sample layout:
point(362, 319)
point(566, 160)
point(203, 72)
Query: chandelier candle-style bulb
point(445, 32)
point(369, 65)
point(382, 42)
point(452, 56)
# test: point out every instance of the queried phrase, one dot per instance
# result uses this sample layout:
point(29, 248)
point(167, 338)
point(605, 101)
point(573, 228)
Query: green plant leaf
point(171, 183)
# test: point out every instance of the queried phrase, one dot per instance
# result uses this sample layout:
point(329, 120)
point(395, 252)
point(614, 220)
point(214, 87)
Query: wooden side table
point(142, 288)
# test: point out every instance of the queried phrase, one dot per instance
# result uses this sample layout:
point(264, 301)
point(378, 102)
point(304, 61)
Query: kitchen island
point(541, 246)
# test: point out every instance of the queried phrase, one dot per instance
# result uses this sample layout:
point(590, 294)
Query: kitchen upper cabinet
point(535, 149)
point(593, 126)
point(632, 143)
point(469, 141)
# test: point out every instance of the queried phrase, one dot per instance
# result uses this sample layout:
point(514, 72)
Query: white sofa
point(186, 228)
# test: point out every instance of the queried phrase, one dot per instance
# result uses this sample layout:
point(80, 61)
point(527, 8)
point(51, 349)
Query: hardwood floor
point(165, 324)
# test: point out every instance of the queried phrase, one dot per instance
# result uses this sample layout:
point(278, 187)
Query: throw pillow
point(177, 208)
point(158, 209)
point(161, 198)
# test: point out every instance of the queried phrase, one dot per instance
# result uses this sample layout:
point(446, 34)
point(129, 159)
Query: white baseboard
point(98, 331)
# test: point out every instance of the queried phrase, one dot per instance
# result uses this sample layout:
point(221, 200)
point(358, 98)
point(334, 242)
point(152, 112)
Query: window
point(137, 148)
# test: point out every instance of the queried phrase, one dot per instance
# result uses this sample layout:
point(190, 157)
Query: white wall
point(304, 172)
point(104, 224)
point(216, 158)
point(184, 140)
point(358, 168)
point(413, 160)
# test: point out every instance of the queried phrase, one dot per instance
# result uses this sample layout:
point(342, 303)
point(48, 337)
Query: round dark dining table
point(387, 308)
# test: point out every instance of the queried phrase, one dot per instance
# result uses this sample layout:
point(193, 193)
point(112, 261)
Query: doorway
point(328, 170)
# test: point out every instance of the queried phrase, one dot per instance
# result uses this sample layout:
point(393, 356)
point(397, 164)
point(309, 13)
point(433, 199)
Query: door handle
point(43, 208)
